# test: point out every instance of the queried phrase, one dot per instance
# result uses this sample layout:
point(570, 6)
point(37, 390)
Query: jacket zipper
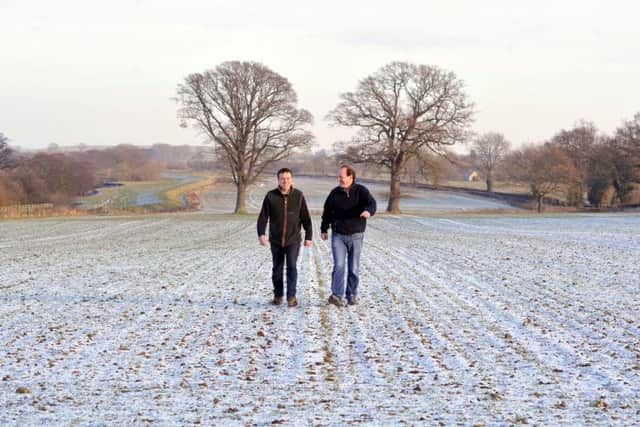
point(284, 228)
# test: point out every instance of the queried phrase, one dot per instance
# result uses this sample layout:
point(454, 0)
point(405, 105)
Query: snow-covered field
point(222, 198)
point(462, 320)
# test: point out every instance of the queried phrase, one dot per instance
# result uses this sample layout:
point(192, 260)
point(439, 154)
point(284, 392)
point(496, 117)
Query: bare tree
point(6, 154)
point(579, 143)
point(614, 167)
point(249, 111)
point(627, 141)
point(603, 172)
point(490, 150)
point(427, 166)
point(412, 170)
point(399, 109)
point(545, 168)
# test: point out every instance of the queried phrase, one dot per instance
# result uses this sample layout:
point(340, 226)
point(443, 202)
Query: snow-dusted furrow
point(552, 303)
point(333, 353)
point(478, 361)
point(551, 357)
point(461, 285)
point(558, 296)
point(95, 231)
point(550, 306)
point(431, 314)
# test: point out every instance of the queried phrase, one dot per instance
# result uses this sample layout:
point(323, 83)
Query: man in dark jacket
point(286, 210)
point(346, 210)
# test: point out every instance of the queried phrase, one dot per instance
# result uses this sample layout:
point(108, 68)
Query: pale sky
point(104, 72)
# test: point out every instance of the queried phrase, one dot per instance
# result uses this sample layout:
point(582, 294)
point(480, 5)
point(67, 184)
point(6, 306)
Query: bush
point(11, 192)
point(48, 178)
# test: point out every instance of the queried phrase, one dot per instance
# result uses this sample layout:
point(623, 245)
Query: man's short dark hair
point(284, 170)
point(350, 170)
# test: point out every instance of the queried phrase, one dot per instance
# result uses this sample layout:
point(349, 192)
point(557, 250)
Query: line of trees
point(582, 163)
point(406, 116)
point(123, 163)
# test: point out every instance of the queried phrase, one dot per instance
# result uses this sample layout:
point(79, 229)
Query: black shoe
point(336, 300)
point(276, 301)
point(292, 302)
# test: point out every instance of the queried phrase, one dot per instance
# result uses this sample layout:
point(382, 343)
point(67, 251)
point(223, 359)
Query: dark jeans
point(279, 254)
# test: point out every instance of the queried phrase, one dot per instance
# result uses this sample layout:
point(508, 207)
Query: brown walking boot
point(276, 301)
point(292, 302)
point(335, 300)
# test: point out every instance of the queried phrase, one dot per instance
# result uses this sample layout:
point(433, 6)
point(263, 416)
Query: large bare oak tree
point(250, 113)
point(400, 109)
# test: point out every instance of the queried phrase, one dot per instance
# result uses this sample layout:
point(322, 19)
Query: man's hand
point(307, 243)
point(365, 214)
point(263, 240)
point(324, 236)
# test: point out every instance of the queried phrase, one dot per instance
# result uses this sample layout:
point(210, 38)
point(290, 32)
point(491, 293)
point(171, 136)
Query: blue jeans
point(279, 254)
point(346, 247)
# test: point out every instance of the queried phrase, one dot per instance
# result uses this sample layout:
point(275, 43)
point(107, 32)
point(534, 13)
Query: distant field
point(221, 198)
point(499, 186)
point(130, 194)
point(463, 320)
point(165, 192)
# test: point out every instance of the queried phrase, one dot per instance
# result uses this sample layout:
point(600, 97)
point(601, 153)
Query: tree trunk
point(489, 183)
point(241, 195)
point(394, 192)
point(540, 202)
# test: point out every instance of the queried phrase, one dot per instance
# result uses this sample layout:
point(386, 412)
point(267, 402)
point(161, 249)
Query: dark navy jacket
point(342, 209)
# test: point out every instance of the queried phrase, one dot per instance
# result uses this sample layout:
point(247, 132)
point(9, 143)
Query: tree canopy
point(250, 112)
point(400, 109)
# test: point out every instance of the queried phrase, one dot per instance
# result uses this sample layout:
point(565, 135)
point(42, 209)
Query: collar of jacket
point(348, 189)
point(285, 194)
